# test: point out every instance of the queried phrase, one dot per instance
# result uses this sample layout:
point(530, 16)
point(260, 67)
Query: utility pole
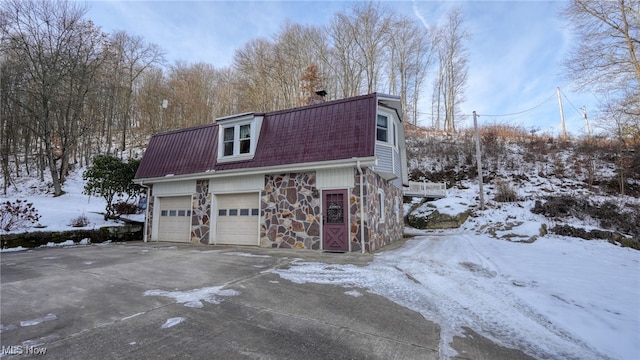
point(564, 129)
point(163, 107)
point(584, 116)
point(478, 159)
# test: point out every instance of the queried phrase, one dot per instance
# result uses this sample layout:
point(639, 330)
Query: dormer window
point(237, 140)
point(238, 137)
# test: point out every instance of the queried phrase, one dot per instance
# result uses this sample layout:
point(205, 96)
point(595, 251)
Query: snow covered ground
point(57, 213)
point(555, 298)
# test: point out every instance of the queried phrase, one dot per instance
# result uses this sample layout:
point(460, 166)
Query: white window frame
point(236, 141)
point(386, 129)
point(392, 127)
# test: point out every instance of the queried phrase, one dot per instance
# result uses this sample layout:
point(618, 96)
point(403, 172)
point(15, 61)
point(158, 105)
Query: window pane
point(381, 134)
point(163, 213)
point(382, 128)
point(245, 146)
point(172, 213)
point(233, 212)
point(244, 212)
point(228, 134)
point(181, 212)
point(188, 212)
point(228, 148)
point(335, 208)
point(245, 131)
point(222, 212)
point(255, 212)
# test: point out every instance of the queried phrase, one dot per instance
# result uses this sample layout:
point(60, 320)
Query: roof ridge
point(191, 128)
point(326, 103)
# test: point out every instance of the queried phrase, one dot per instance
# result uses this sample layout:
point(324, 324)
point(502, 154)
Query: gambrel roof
point(333, 130)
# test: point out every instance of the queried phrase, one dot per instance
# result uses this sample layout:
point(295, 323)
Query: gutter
point(261, 170)
point(361, 206)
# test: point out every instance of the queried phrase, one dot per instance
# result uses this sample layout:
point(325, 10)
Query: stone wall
point(201, 213)
point(381, 229)
point(290, 212)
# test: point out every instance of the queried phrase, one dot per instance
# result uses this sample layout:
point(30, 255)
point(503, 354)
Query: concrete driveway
point(159, 300)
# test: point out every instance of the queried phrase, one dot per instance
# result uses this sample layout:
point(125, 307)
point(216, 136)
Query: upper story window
point(382, 128)
point(387, 129)
point(238, 137)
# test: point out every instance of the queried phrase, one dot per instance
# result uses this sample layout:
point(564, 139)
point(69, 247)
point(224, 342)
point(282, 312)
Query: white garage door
point(237, 219)
point(175, 219)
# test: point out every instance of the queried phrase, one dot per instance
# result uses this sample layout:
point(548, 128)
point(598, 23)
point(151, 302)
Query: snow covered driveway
point(556, 298)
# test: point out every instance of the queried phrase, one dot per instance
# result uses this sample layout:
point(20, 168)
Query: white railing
point(426, 189)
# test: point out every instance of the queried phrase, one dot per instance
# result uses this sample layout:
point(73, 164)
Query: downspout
point(146, 212)
point(362, 229)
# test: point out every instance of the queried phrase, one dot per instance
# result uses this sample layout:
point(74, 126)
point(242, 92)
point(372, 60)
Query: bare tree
point(371, 27)
point(452, 76)
point(59, 54)
point(605, 60)
point(153, 89)
point(605, 57)
point(347, 71)
point(191, 89)
point(225, 92)
point(254, 66)
point(411, 54)
point(295, 49)
point(134, 56)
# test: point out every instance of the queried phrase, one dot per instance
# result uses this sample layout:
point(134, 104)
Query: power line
point(523, 111)
point(499, 115)
point(570, 103)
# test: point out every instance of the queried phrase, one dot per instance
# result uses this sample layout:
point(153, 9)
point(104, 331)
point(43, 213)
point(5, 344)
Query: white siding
point(397, 169)
point(384, 154)
point(389, 161)
point(174, 188)
point(236, 184)
point(335, 178)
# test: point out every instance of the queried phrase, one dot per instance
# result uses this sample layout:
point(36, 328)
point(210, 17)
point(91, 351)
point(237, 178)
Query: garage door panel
point(237, 220)
point(175, 219)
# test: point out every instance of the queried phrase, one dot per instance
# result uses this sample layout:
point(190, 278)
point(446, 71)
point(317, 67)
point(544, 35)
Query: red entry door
point(335, 230)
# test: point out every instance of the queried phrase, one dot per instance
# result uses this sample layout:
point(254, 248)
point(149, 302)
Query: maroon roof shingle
point(180, 152)
point(334, 130)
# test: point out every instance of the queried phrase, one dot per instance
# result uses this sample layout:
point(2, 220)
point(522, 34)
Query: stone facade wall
point(380, 230)
point(201, 213)
point(290, 212)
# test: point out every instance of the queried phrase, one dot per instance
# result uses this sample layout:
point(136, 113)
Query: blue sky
point(516, 47)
